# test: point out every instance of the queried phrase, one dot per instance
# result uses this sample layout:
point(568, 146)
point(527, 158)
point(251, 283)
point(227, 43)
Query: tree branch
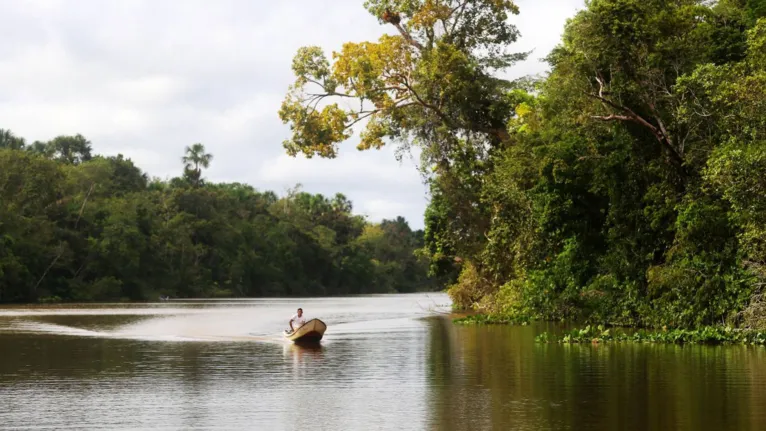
point(313, 81)
point(630, 116)
point(366, 114)
point(407, 36)
point(459, 9)
point(332, 94)
point(316, 98)
point(612, 117)
point(85, 201)
point(362, 117)
point(33, 291)
point(316, 101)
point(425, 104)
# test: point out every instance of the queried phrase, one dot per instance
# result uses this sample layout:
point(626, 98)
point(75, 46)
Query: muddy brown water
point(386, 362)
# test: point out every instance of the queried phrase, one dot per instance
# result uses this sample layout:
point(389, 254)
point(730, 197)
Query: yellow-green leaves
point(310, 63)
point(376, 130)
point(430, 13)
point(429, 83)
point(314, 131)
point(377, 72)
point(757, 45)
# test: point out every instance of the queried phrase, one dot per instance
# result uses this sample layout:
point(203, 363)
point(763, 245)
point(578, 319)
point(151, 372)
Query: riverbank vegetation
point(81, 227)
point(703, 335)
point(625, 187)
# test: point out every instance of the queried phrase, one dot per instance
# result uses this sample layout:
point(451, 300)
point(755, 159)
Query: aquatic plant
point(491, 319)
point(705, 335)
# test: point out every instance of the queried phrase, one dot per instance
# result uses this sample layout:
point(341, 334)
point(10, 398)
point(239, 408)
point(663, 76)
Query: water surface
point(387, 362)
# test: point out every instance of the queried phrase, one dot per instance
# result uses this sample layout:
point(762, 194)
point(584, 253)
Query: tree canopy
point(624, 187)
point(77, 227)
point(431, 83)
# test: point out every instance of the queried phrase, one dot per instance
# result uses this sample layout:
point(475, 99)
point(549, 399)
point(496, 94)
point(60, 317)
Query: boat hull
point(311, 332)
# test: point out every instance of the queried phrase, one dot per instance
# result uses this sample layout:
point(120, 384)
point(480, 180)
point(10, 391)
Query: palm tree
point(195, 159)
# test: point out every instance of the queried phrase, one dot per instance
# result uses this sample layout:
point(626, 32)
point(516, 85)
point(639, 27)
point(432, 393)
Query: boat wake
point(188, 329)
point(64, 330)
point(257, 320)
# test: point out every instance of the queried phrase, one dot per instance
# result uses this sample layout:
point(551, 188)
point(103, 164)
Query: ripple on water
point(382, 365)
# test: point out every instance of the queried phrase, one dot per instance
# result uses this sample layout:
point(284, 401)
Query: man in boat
point(297, 321)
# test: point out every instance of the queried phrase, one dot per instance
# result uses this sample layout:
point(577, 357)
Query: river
point(386, 362)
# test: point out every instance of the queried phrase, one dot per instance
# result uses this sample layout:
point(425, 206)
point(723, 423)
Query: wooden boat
point(312, 331)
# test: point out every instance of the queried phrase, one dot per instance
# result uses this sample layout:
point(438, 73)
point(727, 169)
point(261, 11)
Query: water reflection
point(305, 358)
point(382, 365)
point(498, 378)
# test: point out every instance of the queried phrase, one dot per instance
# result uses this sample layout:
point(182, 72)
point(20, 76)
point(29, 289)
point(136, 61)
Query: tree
point(756, 9)
point(10, 141)
point(626, 55)
point(69, 149)
point(194, 160)
point(39, 147)
point(433, 83)
point(621, 188)
point(30, 193)
point(92, 230)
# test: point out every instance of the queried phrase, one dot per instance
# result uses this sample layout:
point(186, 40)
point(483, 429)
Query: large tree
point(434, 82)
point(69, 149)
point(594, 193)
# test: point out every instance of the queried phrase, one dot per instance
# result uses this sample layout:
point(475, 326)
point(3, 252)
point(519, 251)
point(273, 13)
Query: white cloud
point(353, 166)
point(378, 209)
point(148, 90)
point(145, 78)
point(541, 24)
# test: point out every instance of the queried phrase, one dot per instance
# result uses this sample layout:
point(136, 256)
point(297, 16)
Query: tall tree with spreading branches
point(432, 83)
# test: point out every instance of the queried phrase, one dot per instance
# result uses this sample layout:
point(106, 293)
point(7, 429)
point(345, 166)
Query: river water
point(387, 362)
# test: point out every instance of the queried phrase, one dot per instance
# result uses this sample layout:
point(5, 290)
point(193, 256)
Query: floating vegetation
point(487, 319)
point(706, 335)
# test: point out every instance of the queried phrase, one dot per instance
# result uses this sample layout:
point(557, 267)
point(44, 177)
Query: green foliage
point(756, 9)
point(10, 141)
point(487, 319)
point(194, 160)
point(430, 84)
point(69, 149)
point(703, 335)
point(98, 230)
point(636, 175)
point(625, 187)
point(470, 288)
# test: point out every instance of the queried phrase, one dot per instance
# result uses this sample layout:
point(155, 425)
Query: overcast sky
point(146, 78)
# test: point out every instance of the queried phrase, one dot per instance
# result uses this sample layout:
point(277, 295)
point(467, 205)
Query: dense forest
point(626, 186)
point(81, 227)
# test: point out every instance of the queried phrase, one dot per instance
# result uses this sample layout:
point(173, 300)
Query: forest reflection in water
point(385, 363)
point(497, 377)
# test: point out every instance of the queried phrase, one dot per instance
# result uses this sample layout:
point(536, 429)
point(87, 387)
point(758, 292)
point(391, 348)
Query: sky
point(145, 78)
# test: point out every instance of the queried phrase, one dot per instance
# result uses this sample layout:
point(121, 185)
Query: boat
point(312, 331)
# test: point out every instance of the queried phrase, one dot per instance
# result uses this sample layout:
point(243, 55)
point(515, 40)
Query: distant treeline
point(79, 227)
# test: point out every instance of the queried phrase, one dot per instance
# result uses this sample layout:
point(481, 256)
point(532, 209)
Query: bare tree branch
point(660, 133)
point(85, 201)
point(55, 259)
point(362, 117)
